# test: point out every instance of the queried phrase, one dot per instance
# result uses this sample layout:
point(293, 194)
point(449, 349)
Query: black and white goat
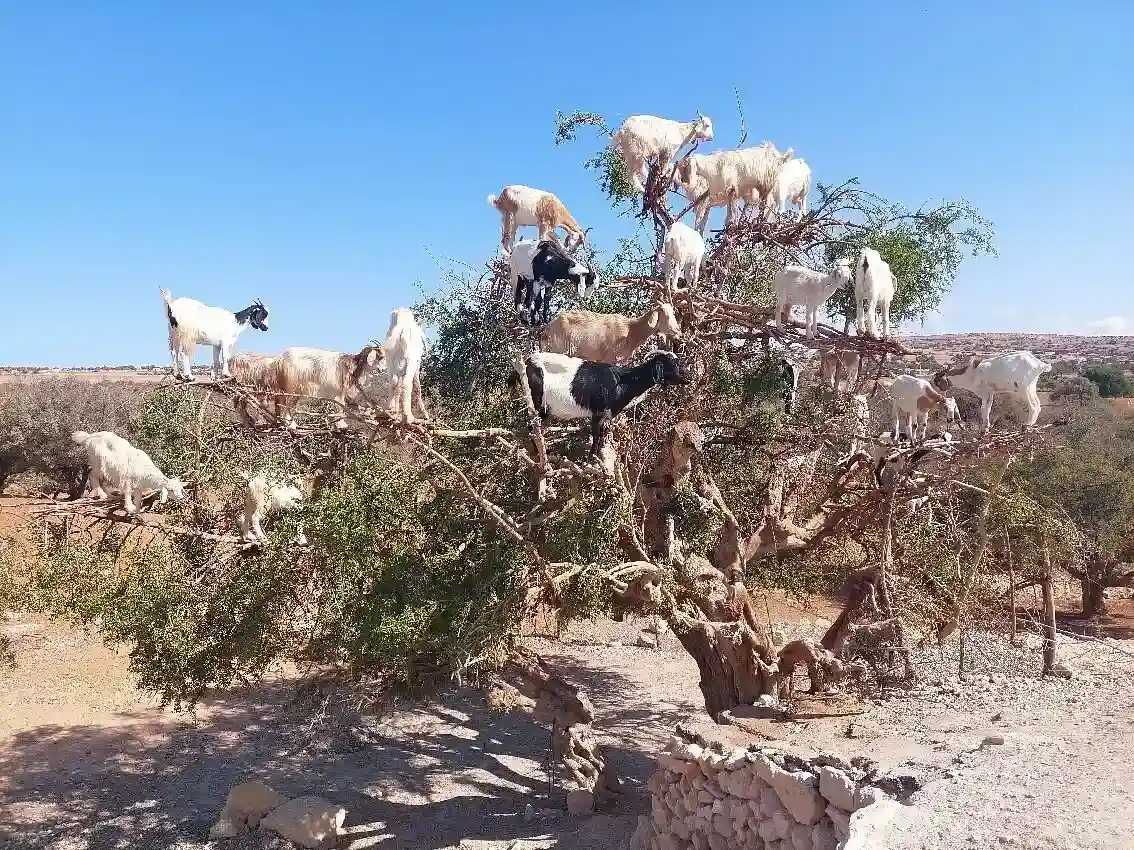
point(535, 267)
point(192, 323)
point(565, 387)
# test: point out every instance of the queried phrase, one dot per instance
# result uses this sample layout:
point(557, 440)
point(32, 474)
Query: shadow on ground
point(426, 776)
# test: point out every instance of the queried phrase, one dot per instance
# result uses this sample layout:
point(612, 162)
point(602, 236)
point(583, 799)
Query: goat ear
point(652, 319)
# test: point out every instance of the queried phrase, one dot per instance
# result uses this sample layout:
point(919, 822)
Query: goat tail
point(80, 438)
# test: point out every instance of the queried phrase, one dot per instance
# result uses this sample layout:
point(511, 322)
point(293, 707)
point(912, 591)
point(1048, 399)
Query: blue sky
point(322, 155)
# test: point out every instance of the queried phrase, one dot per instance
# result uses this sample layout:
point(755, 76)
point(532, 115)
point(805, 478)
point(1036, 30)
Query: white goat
point(264, 496)
point(793, 185)
point(405, 348)
point(645, 137)
point(730, 176)
point(192, 323)
point(113, 461)
point(606, 337)
point(915, 398)
point(1015, 373)
point(523, 206)
point(684, 251)
point(800, 285)
point(874, 284)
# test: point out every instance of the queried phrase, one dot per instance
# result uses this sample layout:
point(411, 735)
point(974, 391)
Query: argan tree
point(430, 546)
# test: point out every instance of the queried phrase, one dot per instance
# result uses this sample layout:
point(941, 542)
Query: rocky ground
point(1007, 761)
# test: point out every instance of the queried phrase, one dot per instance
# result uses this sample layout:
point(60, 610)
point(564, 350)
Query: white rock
point(310, 822)
point(798, 791)
point(866, 795)
point(868, 825)
point(837, 788)
point(669, 762)
point(766, 769)
point(736, 760)
point(245, 805)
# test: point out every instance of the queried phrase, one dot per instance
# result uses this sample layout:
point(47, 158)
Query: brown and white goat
point(838, 368)
point(524, 206)
point(298, 373)
point(915, 398)
point(606, 337)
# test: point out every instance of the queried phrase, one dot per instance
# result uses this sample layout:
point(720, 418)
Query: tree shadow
point(427, 775)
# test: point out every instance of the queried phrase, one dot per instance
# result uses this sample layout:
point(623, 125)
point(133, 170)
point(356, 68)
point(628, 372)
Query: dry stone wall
point(760, 797)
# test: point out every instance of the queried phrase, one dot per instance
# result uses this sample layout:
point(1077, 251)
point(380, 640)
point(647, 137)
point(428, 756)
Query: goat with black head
point(535, 268)
point(192, 323)
point(567, 388)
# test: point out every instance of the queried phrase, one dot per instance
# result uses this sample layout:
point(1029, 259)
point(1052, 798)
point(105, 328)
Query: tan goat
point(524, 206)
point(838, 368)
point(606, 337)
point(308, 373)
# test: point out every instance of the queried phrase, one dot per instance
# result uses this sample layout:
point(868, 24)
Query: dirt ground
point(87, 762)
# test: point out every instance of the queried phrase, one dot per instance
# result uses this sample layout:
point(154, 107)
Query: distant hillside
point(1067, 350)
point(1063, 348)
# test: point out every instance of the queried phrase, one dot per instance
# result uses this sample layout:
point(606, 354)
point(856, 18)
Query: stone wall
point(708, 796)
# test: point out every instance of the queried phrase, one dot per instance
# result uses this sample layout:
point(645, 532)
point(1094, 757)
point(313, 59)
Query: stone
point(837, 788)
point(244, 807)
point(992, 741)
point(736, 760)
point(801, 837)
point(647, 640)
point(719, 842)
point(865, 795)
point(667, 842)
point(769, 802)
point(840, 819)
point(643, 832)
point(767, 830)
point(722, 824)
point(310, 822)
point(766, 769)
point(668, 762)
point(823, 837)
point(782, 824)
point(868, 825)
point(580, 801)
point(798, 791)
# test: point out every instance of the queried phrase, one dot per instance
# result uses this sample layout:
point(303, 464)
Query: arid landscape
point(89, 762)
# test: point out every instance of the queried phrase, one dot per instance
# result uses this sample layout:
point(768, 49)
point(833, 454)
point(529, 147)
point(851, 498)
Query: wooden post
point(1048, 611)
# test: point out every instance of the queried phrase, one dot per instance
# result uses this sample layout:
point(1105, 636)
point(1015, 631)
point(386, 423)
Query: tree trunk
point(525, 683)
point(1093, 602)
point(1048, 613)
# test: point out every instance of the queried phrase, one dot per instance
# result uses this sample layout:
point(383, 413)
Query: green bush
point(1111, 381)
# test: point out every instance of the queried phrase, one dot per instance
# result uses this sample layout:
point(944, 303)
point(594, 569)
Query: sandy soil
point(88, 762)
